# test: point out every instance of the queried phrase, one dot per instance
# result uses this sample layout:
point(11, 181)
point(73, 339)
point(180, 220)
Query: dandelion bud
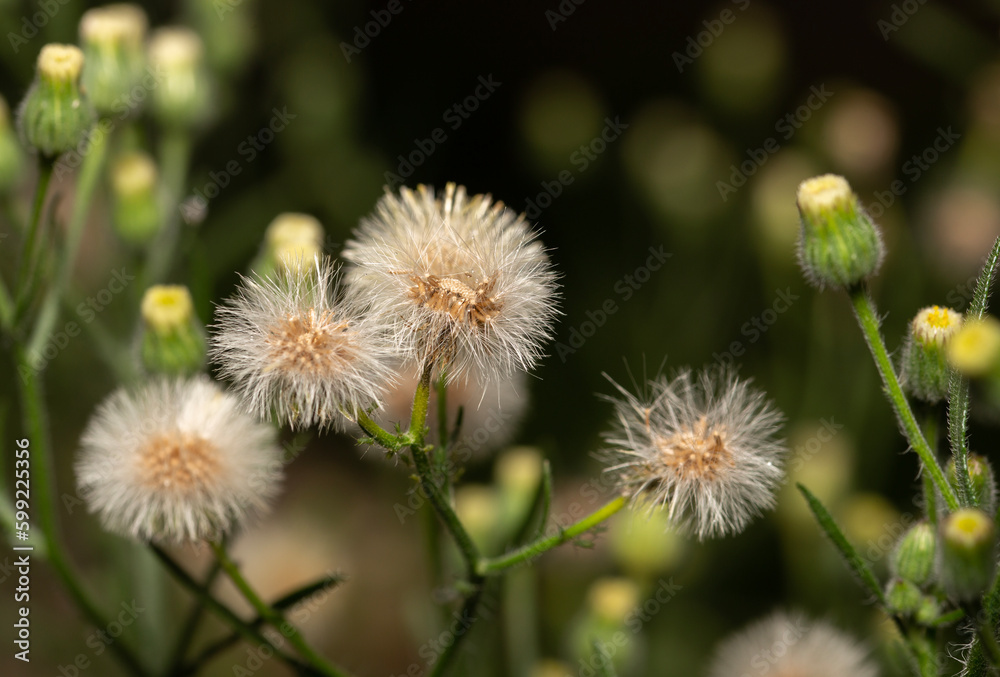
point(610, 603)
point(173, 341)
point(181, 97)
point(925, 370)
point(137, 214)
point(112, 37)
point(975, 349)
point(929, 611)
point(904, 597)
point(981, 481)
point(913, 559)
point(839, 245)
point(11, 154)
point(55, 116)
point(478, 507)
point(518, 473)
point(291, 239)
point(968, 553)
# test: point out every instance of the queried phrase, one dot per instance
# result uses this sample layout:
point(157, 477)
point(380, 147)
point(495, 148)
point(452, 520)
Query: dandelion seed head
point(461, 282)
point(297, 352)
point(792, 645)
point(176, 461)
point(702, 448)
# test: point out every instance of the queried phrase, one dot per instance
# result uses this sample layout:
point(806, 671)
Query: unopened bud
point(968, 553)
point(839, 245)
point(173, 340)
point(913, 558)
point(181, 97)
point(924, 368)
point(904, 597)
point(134, 181)
point(975, 349)
point(55, 116)
point(112, 37)
point(291, 239)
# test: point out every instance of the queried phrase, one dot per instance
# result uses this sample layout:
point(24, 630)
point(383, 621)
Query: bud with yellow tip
point(136, 204)
point(173, 341)
point(925, 370)
point(968, 553)
point(839, 245)
point(291, 239)
point(55, 115)
point(181, 97)
point(975, 349)
point(112, 37)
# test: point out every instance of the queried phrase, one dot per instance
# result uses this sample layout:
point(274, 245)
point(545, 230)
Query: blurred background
point(657, 146)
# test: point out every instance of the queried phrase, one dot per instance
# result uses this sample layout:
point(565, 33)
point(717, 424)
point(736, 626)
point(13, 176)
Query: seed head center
point(180, 462)
point(698, 451)
point(307, 343)
point(474, 306)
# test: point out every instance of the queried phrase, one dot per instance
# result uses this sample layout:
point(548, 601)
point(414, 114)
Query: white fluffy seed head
point(176, 461)
point(296, 352)
point(461, 283)
point(791, 645)
point(703, 448)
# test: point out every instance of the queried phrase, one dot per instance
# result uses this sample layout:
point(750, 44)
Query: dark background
point(655, 186)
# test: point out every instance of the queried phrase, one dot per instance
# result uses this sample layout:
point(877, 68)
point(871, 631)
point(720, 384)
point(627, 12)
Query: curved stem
point(36, 427)
point(90, 172)
point(248, 632)
point(272, 616)
point(494, 565)
point(191, 623)
point(467, 617)
point(376, 432)
point(865, 312)
point(25, 275)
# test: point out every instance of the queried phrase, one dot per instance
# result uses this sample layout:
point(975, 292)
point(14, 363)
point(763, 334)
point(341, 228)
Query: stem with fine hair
point(495, 565)
point(275, 618)
point(865, 312)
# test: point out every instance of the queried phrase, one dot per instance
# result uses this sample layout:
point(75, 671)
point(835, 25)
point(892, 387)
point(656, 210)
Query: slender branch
point(930, 495)
point(272, 616)
point(391, 442)
point(466, 620)
point(37, 428)
point(495, 565)
point(25, 276)
point(90, 172)
point(865, 312)
point(191, 622)
point(250, 633)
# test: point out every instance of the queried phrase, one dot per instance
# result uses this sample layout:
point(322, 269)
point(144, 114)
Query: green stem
point(865, 312)
point(418, 417)
point(281, 604)
point(930, 494)
point(6, 307)
point(25, 275)
point(495, 565)
point(36, 426)
point(272, 616)
point(391, 442)
point(90, 172)
point(250, 633)
point(175, 155)
point(191, 623)
point(466, 620)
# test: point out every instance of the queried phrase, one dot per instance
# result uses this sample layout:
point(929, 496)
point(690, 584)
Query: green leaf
point(958, 387)
point(854, 560)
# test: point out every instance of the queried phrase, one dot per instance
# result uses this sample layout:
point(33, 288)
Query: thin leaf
point(958, 386)
point(847, 551)
point(538, 513)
